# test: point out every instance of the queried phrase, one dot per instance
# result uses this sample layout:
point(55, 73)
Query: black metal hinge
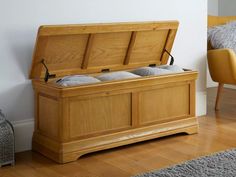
point(171, 57)
point(47, 74)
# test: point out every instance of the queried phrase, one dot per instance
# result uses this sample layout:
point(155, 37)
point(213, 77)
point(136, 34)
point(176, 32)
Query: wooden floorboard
point(217, 132)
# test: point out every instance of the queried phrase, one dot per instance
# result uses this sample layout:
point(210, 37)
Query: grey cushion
point(223, 36)
point(116, 76)
point(76, 80)
point(148, 71)
point(174, 68)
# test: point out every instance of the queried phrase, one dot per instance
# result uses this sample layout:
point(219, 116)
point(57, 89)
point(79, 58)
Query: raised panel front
point(99, 114)
point(160, 105)
point(48, 116)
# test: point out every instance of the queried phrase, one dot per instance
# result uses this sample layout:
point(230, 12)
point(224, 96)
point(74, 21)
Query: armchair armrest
point(222, 65)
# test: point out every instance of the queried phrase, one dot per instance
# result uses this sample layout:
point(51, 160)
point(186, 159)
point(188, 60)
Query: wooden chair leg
point(219, 91)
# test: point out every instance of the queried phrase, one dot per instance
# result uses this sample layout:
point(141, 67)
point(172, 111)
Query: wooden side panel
point(48, 122)
point(164, 104)
point(99, 114)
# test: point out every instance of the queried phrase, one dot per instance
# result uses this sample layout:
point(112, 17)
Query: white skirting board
point(23, 134)
point(201, 103)
point(225, 86)
point(24, 129)
point(230, 86)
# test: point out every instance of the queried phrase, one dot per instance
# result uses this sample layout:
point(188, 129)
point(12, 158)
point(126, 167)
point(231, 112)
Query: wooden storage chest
point(72, 121)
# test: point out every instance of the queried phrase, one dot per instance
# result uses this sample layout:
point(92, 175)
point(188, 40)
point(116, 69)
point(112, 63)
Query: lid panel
point(60, 52)
point(149, 49)
point(64, 52)
point(109, 48)
point(84, 49)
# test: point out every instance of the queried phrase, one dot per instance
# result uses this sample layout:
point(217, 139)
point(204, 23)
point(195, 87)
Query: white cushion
point(76, 80)
point(116, 76)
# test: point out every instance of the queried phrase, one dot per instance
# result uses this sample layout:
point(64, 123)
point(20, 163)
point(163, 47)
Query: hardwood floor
point(216, 132)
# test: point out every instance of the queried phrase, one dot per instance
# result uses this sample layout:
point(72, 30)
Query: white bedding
point(76, 80)
point(116, 76)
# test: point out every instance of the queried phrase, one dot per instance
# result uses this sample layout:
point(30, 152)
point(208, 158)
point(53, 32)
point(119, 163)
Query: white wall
point(20, 20)
point(227, 7)
point(213, 7)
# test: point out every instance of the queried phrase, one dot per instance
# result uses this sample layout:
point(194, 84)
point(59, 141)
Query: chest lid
point(93, 48)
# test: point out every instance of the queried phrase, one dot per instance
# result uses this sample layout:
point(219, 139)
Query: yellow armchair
point(221, 62)
point(222, 67)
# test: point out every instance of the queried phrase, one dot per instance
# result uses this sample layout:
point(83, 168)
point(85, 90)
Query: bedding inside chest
point(76, 80)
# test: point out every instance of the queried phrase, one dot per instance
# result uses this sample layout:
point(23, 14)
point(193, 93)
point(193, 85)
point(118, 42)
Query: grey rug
point(222, 164)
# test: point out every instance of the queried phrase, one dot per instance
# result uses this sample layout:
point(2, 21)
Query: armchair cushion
point(223, 36)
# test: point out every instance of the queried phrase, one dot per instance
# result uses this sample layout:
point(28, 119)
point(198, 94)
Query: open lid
point(92, 48)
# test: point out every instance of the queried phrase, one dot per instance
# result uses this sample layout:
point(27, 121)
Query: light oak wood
point(49, 30)
point(49, 110)
point(168, 45)
point(99, 114)
point(101, 111)
point(73, 121)
point(171, 102)
point(148, 47)
point(219, 92)
point(130, 47)
point(86, 49)
point(216, 133)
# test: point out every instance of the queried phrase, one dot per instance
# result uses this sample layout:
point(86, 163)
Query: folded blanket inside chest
point(76, 80)
point(174, 68)
point(148, 71)
point(116, 76)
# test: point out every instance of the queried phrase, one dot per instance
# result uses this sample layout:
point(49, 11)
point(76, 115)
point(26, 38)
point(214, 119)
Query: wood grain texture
point(48, 116)
point(164, 104)
point(109, 49)
point(73, 121)
point(89, 48)
point(99, 114)
point(87, 51)
point(168, 46)
point(216, 133)
point(113, 114)
point(49, 30)
point(130, 47)
point(148, 47)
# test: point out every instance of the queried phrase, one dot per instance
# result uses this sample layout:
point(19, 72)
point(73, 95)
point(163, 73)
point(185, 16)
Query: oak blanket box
point(75, 120)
